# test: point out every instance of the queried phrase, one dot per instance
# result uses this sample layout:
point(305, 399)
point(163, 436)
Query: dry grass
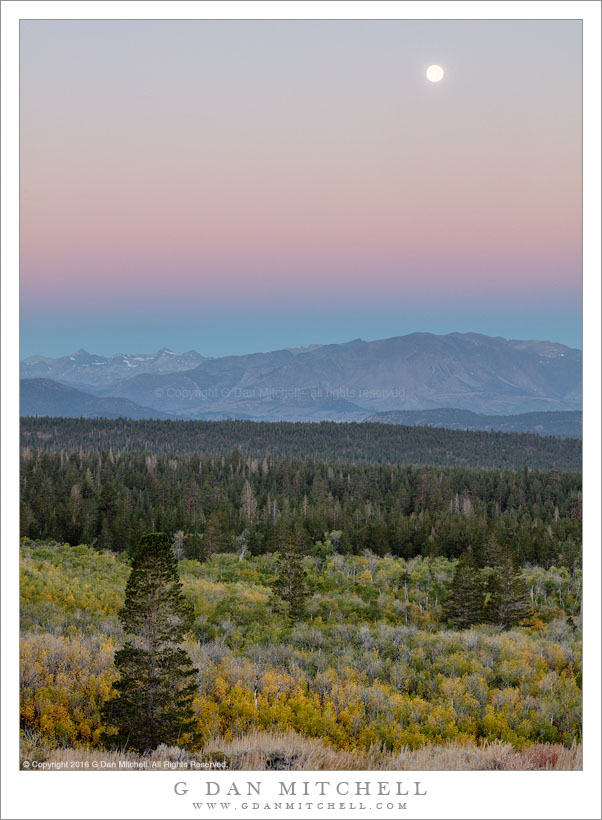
point(260, 751)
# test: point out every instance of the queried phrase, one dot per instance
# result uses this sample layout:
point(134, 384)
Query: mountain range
point(89, 371)
point(341, 382)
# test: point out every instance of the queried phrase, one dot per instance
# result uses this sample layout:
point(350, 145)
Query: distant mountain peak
point(297, 350)
point(80, 354)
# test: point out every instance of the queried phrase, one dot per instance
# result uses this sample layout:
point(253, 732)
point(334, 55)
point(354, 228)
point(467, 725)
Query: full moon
point(434, 73)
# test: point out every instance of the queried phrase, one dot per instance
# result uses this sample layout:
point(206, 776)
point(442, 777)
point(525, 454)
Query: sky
point(237, 186)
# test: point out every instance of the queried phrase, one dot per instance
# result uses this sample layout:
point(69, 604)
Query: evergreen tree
point(509, 602)
point(464, 605)
point(254, 543)
point(489, 555)
point(194, 547)
point(291, 583)
point(157, 682)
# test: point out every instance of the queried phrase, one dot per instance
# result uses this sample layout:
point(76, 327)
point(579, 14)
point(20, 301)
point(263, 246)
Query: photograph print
point(301, 395)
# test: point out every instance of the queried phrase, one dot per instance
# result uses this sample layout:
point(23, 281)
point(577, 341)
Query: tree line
point(332, 441)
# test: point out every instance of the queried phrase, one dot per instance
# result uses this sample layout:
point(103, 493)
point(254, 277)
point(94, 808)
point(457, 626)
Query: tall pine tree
point(464, 605)
point(509, 602)
point(157, 682)
point(291, 582)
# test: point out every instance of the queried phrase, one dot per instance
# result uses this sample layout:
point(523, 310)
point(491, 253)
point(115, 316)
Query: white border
point(451, 794)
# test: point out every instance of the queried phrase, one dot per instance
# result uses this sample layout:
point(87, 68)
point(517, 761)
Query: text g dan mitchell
point(307, 788)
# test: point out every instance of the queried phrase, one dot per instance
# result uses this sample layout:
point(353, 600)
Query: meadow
point(372, 673)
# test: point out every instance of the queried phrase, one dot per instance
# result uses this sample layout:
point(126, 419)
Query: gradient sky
point(252, 185)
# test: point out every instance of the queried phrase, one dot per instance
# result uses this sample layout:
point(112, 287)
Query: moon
point(434, 73)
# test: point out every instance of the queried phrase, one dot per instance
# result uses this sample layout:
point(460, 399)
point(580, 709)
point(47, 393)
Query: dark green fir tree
point(291, 583)
point(464, 605)
point(509, 603)
point(154, 694)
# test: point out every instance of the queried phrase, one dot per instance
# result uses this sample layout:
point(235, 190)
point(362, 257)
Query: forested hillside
point(237, 503)
point(331, 441)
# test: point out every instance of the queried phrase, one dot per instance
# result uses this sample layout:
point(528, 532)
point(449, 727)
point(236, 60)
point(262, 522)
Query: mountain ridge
point(44, 397)
point(94, 372)
point(346, 382)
